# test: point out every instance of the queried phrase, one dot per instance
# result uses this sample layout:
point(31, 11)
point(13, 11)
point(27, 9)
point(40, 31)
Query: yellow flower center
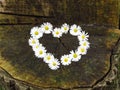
point(36, 33)
point(57, 32)
point(66, 60)
point(48, 57)
point(65, 28)
point(83, 36)
point(82, 50)
point(33, 42)
point(75, 30)
point(40, 52)
point(37, 46)
point(75, 55)
point(46, 27)
point(84, 44)
point(54, 64)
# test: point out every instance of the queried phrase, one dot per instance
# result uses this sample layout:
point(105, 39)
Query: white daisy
point(47, 27)
point(75, 30)
point(83, 36)
point(82, 50)
point(40, 53)
point(36, 33)
point(57, 32)
point(48, 58)
point(75, 56)
point(33, 41)
point(65, 28)
point(37, 47)
point(85, 44)
point(65, 60)
point(54, 65)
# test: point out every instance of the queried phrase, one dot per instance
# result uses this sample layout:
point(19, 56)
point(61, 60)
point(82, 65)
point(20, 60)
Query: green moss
point(114, 35)
point(2, 87)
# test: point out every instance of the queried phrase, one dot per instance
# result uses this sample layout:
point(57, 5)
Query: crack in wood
point(26, 84)
point(98, 81)
point(63, 44)
point(110, 68)
point(25, 15)
point(5, 24)
point(101, 79)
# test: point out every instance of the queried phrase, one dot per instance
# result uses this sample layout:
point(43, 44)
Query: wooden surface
point(98, 12)
point(17, 58)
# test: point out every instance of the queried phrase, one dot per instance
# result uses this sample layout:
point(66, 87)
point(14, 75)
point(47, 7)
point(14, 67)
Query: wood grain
point(18, 58)
point(97, 17)
point(85, 12)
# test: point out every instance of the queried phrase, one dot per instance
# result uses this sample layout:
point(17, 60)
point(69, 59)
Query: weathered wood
point(26, 7)
point(97, 17)
point(17, 57)
point(21, 20)
point(100, 12)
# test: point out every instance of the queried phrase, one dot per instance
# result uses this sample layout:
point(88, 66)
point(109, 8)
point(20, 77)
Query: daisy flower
point(36, 33)
point(47, 27)
point(33, 41)
point(83, 36)
point(85, 44)
point(65, 28)
point(54, 65)
point(37, 47)
point(40, 53)
point(48, 58)
point(75, 30)
point(65, 60)
point(82, 50)
point(57, 32)
point(75, 56)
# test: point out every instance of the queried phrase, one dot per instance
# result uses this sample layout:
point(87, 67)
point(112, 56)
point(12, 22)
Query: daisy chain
point(41, 52)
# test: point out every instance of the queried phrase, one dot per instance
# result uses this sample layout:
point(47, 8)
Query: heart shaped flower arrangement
point(41, 52)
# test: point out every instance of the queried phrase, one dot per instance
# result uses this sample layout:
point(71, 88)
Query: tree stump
point(97, 17)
